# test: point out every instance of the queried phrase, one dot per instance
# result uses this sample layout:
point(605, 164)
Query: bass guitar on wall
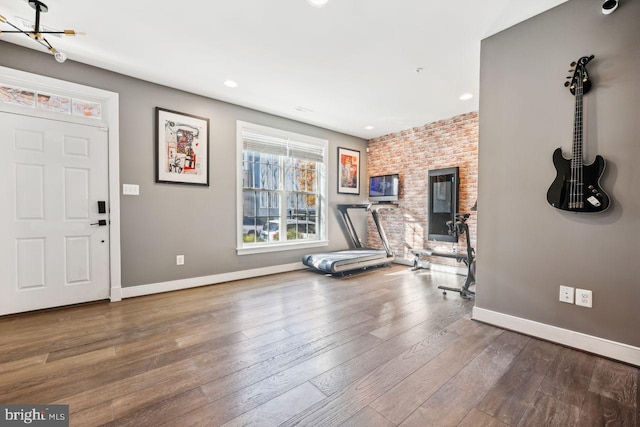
point(577, 186)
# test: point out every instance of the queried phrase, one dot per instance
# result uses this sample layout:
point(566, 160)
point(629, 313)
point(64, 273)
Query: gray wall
point(527, 249)
point(167, 220)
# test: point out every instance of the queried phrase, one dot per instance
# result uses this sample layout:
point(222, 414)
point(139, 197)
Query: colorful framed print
point(348, 171)
point(182, 148)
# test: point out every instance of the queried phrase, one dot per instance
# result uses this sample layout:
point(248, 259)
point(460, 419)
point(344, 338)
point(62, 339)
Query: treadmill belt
point(351, 259)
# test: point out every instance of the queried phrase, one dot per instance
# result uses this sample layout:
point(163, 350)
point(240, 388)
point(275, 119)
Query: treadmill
point(357, 258)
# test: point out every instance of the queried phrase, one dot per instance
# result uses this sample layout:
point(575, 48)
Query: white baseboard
point(402, 261)
point(462, 271)
point(603, 347)
point(193, 282)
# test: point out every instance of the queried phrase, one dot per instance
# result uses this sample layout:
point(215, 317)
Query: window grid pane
point(269, 178)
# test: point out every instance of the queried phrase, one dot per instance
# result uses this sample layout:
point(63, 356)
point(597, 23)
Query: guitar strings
point(573, 154)
point(580, 183)
point(576, 191)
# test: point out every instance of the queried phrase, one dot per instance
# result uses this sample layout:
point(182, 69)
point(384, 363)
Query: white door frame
point(110, 115)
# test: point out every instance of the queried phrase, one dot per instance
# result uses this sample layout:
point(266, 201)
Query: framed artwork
point(182, 148)
point(348, 171)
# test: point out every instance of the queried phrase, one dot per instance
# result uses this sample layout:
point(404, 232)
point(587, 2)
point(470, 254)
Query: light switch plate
point(130, 189)
point(566, 294)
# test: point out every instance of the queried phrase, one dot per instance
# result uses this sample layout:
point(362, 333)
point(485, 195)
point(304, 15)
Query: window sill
point(279, 247)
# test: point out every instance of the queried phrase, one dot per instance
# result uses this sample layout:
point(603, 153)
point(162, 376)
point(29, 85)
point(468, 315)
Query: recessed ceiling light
point(317, 3)
point(230, 83)
point(369, 127)
point(466, 96)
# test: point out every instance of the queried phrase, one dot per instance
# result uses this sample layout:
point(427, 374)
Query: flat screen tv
point(384, 188)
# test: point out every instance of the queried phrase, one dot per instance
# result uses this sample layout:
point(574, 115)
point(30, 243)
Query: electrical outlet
point(566, 294)
point(179, 259)
point(584, 298)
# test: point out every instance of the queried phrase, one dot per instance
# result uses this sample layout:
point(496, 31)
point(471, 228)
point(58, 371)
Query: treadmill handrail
point(383, 235)
point(344, 208)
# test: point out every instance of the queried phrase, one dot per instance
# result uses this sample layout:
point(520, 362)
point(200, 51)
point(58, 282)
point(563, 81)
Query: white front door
point(52, 250)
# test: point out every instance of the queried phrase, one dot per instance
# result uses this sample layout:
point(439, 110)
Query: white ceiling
point(349, 64)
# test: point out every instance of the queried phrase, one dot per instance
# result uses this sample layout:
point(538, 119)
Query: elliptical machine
point(458, 227)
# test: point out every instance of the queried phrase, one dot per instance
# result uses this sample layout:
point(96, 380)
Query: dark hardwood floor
point(378, 348)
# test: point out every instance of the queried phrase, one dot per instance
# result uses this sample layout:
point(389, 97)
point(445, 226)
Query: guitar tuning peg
point(585, 79)
point(573, 64)
point(571, 71)
point(566, 84)
point(572, 87)
point(568, 77)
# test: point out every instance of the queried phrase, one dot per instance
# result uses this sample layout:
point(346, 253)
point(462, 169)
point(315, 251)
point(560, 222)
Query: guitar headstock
point(580, 78)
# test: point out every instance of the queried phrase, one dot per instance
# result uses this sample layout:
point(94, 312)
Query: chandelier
point(38, 34)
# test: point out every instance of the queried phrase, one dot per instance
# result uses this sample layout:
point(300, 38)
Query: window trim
point(281, 246)
point(321, 227)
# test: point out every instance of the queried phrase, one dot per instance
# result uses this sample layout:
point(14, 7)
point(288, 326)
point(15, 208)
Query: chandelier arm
point(51, 32)
point(19, 31)
point(44, 42)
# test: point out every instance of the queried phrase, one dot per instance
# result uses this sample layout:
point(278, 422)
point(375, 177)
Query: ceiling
point(390, 64)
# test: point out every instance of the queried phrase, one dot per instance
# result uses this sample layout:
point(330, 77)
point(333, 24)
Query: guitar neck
point(576, 189)
point(577, 159)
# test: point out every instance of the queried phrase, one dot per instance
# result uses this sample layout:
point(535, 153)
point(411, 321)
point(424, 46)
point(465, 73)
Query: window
point(281, 189)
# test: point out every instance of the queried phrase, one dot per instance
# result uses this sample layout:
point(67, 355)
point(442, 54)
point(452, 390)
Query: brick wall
point(412, 153)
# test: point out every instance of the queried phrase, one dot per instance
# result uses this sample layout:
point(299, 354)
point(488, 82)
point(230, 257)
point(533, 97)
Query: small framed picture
point(348, 171)
point(182, 148)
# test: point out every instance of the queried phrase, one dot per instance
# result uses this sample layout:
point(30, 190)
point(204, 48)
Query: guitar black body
point(558, 195)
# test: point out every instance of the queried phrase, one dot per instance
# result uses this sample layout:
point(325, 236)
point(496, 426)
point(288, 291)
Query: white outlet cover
point(179, 259)
point(584, 298)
